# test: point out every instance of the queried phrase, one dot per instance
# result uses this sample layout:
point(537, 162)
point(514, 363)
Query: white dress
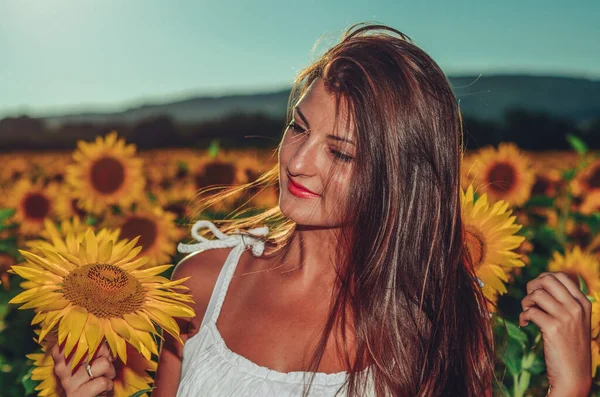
point(209, 368)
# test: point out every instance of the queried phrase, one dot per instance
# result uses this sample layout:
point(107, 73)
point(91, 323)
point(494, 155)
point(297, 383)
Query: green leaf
point(512, 356)
point(28, 384)
point(577, 143)
point(142, 392)
point(6, 213)
point(538, 366)
point(540, 201)
point(582, 286)
point(516, 333)
point(213, 149)
point(569, 174)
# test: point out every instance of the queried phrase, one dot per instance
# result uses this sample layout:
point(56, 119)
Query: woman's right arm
point(203, 269)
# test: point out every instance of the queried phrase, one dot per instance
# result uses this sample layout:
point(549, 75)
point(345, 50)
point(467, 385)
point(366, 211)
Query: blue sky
point(69, 55)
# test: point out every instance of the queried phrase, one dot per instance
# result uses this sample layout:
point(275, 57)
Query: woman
point(361, 284)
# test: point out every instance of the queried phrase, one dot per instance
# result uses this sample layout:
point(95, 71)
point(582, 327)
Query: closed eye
point(295, 127)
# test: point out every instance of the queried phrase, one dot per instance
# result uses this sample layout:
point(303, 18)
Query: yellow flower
point(490, 239)
point(157, 231)
point(577, 262)
point(90, 287)
point(504, 174)
point(590, 203)
point(132, 377)
point(33, 203)
point(129, 379)
point(43, 369)
point(105, 173)
point(595, 331)
point(587, 180)
point(67, 204)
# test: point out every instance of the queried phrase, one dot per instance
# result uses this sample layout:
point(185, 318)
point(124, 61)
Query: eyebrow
point(335, 137)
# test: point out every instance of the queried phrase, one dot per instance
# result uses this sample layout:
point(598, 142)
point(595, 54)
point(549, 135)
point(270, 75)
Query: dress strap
point(239, 243)
point(223, 240)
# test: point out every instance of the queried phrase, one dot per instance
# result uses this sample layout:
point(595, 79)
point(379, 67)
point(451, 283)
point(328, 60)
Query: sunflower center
point(541, 186)
point(501, 177)
point(216, 173)
point(476, 245)
point(36, 206)
point(594, 179)
point(139, 226)
point(104, 290)
point(177, 208)
point(107, 174)
point(76, 209)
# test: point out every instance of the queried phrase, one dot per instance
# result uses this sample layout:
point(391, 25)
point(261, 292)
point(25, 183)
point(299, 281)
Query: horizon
point(162, 100)
point(67, 56)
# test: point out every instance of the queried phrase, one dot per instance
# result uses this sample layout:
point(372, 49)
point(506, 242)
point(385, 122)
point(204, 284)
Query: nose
point(304, 158)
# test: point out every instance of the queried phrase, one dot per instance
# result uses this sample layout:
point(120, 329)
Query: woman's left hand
point(563, 313)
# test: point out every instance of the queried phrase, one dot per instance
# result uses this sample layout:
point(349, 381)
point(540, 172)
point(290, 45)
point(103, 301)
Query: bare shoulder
point(202, 268)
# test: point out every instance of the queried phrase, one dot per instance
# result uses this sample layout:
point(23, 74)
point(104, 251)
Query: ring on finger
point(88, 369)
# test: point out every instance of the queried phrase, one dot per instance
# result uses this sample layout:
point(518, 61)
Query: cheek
point(339, 187)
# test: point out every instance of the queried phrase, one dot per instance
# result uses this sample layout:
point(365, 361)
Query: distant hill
point(534, 111)
point(486, 98)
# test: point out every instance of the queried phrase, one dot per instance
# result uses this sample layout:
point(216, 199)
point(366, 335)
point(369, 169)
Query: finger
point(545, 301)
point(553, 286)
point(539, 318)
point(62, 371)
point(100, 366)
point(104, 351)
point(96, 386)
point(573, 288)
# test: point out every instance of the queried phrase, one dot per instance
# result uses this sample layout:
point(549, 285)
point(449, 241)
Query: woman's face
point(309, 152)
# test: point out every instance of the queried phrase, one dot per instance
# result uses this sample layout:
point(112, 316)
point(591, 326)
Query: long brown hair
point(420, 321)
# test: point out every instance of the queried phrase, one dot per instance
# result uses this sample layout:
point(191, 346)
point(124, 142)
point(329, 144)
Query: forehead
point(318, 105)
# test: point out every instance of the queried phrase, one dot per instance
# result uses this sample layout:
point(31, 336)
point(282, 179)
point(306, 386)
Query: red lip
point(300, 188)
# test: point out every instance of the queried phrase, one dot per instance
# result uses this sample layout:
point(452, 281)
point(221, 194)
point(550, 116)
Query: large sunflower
point(577, 262)
point(504, 174)
point(33, 203)
point(106, 172)
point(157, 230)
point(490, 239)
point(91, 288)
point(129, 379)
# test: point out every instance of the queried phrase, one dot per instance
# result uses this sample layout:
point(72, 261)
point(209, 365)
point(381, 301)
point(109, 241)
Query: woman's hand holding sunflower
point(556, 305)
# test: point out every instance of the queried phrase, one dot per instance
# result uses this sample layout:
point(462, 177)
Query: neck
point(309, 257)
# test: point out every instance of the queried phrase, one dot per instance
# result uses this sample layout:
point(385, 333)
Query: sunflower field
point(106, 217)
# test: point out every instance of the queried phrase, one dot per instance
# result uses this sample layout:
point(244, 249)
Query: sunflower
point(129, 379)
point(13, 168)
point(133, 376)
point(90, 287)
point(33, 203)
point(547, 181)
point(504, 174)
point(490, 239)
point(595, 332)
point(590, 203)
point(67, 204)
point(157, 230)
point(577, 262)
point(43, 368)
point(105, 173)
point(587, 180)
